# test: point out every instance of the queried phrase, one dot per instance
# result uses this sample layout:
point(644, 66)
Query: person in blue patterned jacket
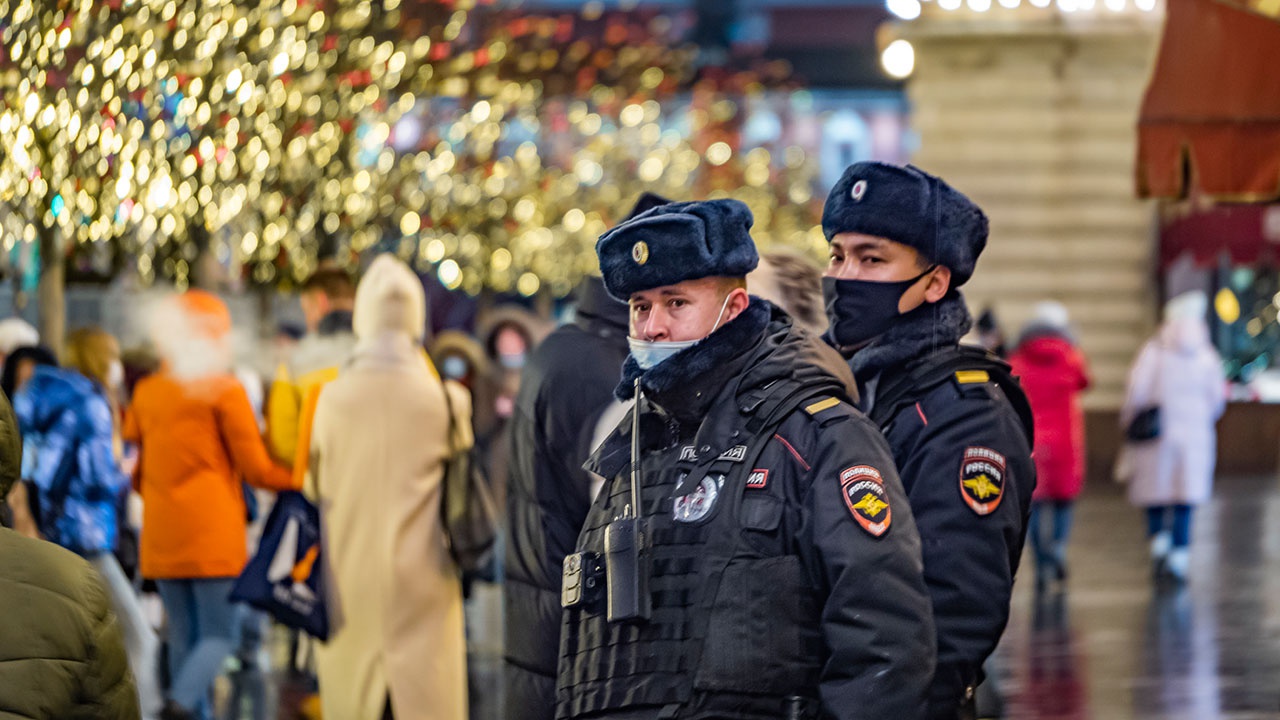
point(68, 421)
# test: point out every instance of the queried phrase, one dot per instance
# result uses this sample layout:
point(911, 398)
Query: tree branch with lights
point(486, 146)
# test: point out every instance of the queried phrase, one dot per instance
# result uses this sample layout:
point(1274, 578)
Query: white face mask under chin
point(649, 354)
point(115, 375)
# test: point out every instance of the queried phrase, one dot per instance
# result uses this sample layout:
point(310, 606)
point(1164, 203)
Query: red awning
point(1211, 115)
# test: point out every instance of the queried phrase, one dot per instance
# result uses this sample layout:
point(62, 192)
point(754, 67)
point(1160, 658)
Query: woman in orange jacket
point(199, 439)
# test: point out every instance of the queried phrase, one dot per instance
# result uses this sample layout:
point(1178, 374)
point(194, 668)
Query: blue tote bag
point(285, 578)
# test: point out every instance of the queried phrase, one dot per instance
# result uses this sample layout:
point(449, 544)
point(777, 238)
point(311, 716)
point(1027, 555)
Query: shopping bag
point(467, 509)
point(1145, 425)
point(285, 579)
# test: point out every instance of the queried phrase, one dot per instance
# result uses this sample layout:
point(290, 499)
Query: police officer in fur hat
point(762, 561)
point(902, 243)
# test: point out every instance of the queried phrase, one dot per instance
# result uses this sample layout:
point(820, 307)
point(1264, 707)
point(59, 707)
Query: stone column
point(1032, 113)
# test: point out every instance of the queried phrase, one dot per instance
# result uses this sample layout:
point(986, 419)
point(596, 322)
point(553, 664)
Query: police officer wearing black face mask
point(902, 242)
point(759, 559)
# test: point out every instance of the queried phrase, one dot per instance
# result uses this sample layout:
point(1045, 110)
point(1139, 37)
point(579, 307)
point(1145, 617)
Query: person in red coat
point(1053, 373)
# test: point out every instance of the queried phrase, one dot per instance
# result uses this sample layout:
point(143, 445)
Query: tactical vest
point(735, 628)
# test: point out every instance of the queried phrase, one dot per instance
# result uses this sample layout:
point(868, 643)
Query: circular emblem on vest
point(697, 504)
point(640, 252)
point(859, 189)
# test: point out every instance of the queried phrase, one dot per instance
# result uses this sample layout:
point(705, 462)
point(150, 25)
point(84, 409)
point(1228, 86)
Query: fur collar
point(919, 332)
point(687, 382)
point(316, 352)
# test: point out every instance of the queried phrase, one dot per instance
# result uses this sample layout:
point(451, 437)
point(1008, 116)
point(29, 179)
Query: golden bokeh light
point(271, 133)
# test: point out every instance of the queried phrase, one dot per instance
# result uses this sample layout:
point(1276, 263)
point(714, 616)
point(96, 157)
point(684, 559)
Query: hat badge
point(859, 189)
point(640, 252)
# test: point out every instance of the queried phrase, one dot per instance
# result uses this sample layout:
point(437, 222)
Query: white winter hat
point(1192, 305)
point(390, 298)
point(1051, 314)
point(15, 333)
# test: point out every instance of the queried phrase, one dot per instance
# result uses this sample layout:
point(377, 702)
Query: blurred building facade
point(1031, 111)
point(1209, 150)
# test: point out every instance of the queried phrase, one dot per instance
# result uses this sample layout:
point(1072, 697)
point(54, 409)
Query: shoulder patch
point(828, 410)
point(865, 496)
point(970, 377)
point(819, 406)
point(982, 477)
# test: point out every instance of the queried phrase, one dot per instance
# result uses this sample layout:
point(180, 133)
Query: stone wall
point(1035, 119)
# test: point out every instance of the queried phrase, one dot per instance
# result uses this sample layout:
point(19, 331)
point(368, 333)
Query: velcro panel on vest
point(621, 665)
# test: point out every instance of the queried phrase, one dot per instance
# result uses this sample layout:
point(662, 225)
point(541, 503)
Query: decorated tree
point(490, 147)
point(156, 130)
point(76, 155)
point(565, 119)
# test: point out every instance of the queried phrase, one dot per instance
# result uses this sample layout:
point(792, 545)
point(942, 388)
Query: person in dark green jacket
point(62, 656)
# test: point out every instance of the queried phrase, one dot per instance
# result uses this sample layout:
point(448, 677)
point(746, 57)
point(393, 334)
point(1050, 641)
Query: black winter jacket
point(965, 461)
point(820, 594)
point(565, 386)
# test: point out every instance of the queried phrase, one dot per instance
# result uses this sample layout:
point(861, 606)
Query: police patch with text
point(866, 498)
point(982, 474)
point(735, 454)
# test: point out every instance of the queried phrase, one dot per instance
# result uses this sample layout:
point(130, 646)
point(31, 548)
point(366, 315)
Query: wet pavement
point(1114, 643)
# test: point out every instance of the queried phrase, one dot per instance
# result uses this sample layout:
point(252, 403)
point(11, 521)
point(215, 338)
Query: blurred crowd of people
point(1175, 394)
point(156, 465)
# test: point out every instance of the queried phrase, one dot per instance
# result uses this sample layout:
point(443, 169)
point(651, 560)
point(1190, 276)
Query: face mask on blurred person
point(115, 375)
point(511, 361)
point(454, 367)
point(650, 353)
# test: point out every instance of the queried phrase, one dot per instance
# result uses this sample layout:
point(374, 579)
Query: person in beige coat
point(378, 447)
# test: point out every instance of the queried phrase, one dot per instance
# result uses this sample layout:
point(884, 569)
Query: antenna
point(633, 509)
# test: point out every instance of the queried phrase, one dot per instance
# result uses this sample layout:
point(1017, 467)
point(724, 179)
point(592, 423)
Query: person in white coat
point(378, 447)
point(1180, 372)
